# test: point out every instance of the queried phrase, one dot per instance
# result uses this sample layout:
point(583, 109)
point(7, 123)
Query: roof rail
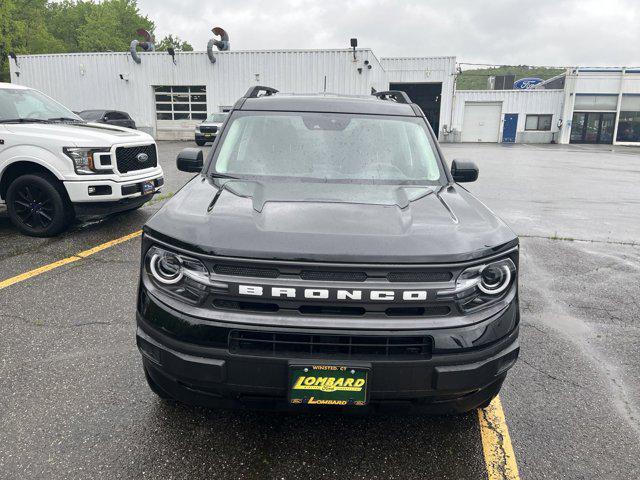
point(395, 95)
point(254, 92)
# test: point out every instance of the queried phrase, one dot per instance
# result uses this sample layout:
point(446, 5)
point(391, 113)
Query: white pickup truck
point(55, 167)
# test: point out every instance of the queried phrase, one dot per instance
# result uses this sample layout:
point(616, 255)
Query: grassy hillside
point(477, 79)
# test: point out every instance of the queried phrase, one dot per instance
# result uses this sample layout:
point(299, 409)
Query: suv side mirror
point(464, 171)
point(190, 160)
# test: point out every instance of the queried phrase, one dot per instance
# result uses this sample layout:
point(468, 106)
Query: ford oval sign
point(525, 83)
point(142, 157)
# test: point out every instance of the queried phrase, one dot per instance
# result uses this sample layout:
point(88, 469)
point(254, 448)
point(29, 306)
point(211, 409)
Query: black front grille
point(239, 271)
point(128, 159)
point(206, 129)
point(419, 276)
point(333, 276)
point(275, 344)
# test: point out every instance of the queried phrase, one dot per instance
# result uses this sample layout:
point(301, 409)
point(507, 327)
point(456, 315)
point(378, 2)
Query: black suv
point(325, 255)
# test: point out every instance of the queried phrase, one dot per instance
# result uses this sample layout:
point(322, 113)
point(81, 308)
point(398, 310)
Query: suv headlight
point(180, 275)
point(83, 159)
point(482, 285)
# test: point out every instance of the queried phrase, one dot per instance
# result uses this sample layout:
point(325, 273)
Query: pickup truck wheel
point(38, 205)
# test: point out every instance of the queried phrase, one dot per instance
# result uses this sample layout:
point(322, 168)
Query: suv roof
point(381, 103)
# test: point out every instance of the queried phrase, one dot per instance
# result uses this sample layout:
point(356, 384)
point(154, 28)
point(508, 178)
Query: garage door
point(481, 122)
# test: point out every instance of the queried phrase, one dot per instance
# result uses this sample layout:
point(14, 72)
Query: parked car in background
point(55, 167)
point(112, 117)
point(207, 130)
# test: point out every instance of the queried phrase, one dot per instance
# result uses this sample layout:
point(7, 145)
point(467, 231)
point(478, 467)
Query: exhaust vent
point(146, 46)
point(222, 45)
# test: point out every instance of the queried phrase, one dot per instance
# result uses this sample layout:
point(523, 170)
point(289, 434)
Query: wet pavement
point(74, 402)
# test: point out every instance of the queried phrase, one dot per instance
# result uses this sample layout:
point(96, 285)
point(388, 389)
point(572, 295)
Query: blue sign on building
point(525, 83)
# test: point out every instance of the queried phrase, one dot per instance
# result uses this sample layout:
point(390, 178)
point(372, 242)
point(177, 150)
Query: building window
point(538, 122)
point(629, 121)
point(591, 103)
point(181, 102)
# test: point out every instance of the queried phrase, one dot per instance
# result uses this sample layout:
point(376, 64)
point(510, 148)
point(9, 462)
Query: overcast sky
point(534, 32)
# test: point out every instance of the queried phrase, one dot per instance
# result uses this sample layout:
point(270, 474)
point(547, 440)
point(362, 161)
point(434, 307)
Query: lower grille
point(130, 159)
point(274, 344)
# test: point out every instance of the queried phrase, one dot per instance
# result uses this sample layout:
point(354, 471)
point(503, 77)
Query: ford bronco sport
point(325, 255)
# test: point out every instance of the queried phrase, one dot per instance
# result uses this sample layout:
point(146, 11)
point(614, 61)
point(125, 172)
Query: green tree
point(7, 26)
point(66, 18)
point(176, 42)
point(47, 26)
point(476, 79)
point(112, 26)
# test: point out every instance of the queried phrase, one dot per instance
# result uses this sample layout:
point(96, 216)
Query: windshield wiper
point(24, 120)
point(66, 119)
point(223, 175)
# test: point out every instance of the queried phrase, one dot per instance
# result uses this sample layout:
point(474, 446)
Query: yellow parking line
point(496, 443)
point(65, 261)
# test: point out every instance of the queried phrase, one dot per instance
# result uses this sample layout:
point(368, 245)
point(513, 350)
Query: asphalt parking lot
point(74, 402)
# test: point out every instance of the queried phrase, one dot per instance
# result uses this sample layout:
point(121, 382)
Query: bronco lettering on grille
point(333, 293)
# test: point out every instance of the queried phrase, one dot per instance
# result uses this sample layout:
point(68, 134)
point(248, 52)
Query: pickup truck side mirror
point(464, 171)
point(190, 160)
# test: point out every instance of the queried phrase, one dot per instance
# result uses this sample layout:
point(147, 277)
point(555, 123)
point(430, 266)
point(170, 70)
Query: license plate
point(148, 187)
point(328, 385)
point(208, 135)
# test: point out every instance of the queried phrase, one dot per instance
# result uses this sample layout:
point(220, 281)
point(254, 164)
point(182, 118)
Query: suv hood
point(330, 222)
point(79, 135)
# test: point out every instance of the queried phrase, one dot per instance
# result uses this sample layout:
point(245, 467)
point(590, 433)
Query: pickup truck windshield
point(27, 105)
point(328, 146)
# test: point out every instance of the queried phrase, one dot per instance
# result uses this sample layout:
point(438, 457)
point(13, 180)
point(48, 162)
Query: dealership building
point(168, 95)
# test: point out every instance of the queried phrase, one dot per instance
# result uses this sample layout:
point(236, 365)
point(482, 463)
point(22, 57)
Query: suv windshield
point(328, 146)
point(216, 118)
point(24, 105)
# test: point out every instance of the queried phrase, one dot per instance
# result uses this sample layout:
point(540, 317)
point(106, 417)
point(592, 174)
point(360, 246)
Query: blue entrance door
point(510, 127)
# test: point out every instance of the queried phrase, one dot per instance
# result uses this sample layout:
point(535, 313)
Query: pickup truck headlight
point(482, 285)
point(83, 159)
point(180, 275)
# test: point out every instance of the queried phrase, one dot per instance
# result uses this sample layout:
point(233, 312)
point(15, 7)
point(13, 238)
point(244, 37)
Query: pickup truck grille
point(129, 159)
point(275, 344)
point(208, 129)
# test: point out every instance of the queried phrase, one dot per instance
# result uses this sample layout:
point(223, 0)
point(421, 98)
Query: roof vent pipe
point(146, 46)
point(223, 44)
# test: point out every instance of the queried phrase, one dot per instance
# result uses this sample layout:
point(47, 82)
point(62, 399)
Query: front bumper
point(108, 190)
point(205, 137)
point(446, 382)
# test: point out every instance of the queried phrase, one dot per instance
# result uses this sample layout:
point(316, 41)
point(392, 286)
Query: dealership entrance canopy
point(167, 96)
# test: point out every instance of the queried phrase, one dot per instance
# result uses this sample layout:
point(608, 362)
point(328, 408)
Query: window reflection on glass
point(538, 122)
point(629, 127)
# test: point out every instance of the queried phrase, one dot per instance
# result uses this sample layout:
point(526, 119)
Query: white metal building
point(481, 115)
point(602, 105)
point(167, 98)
